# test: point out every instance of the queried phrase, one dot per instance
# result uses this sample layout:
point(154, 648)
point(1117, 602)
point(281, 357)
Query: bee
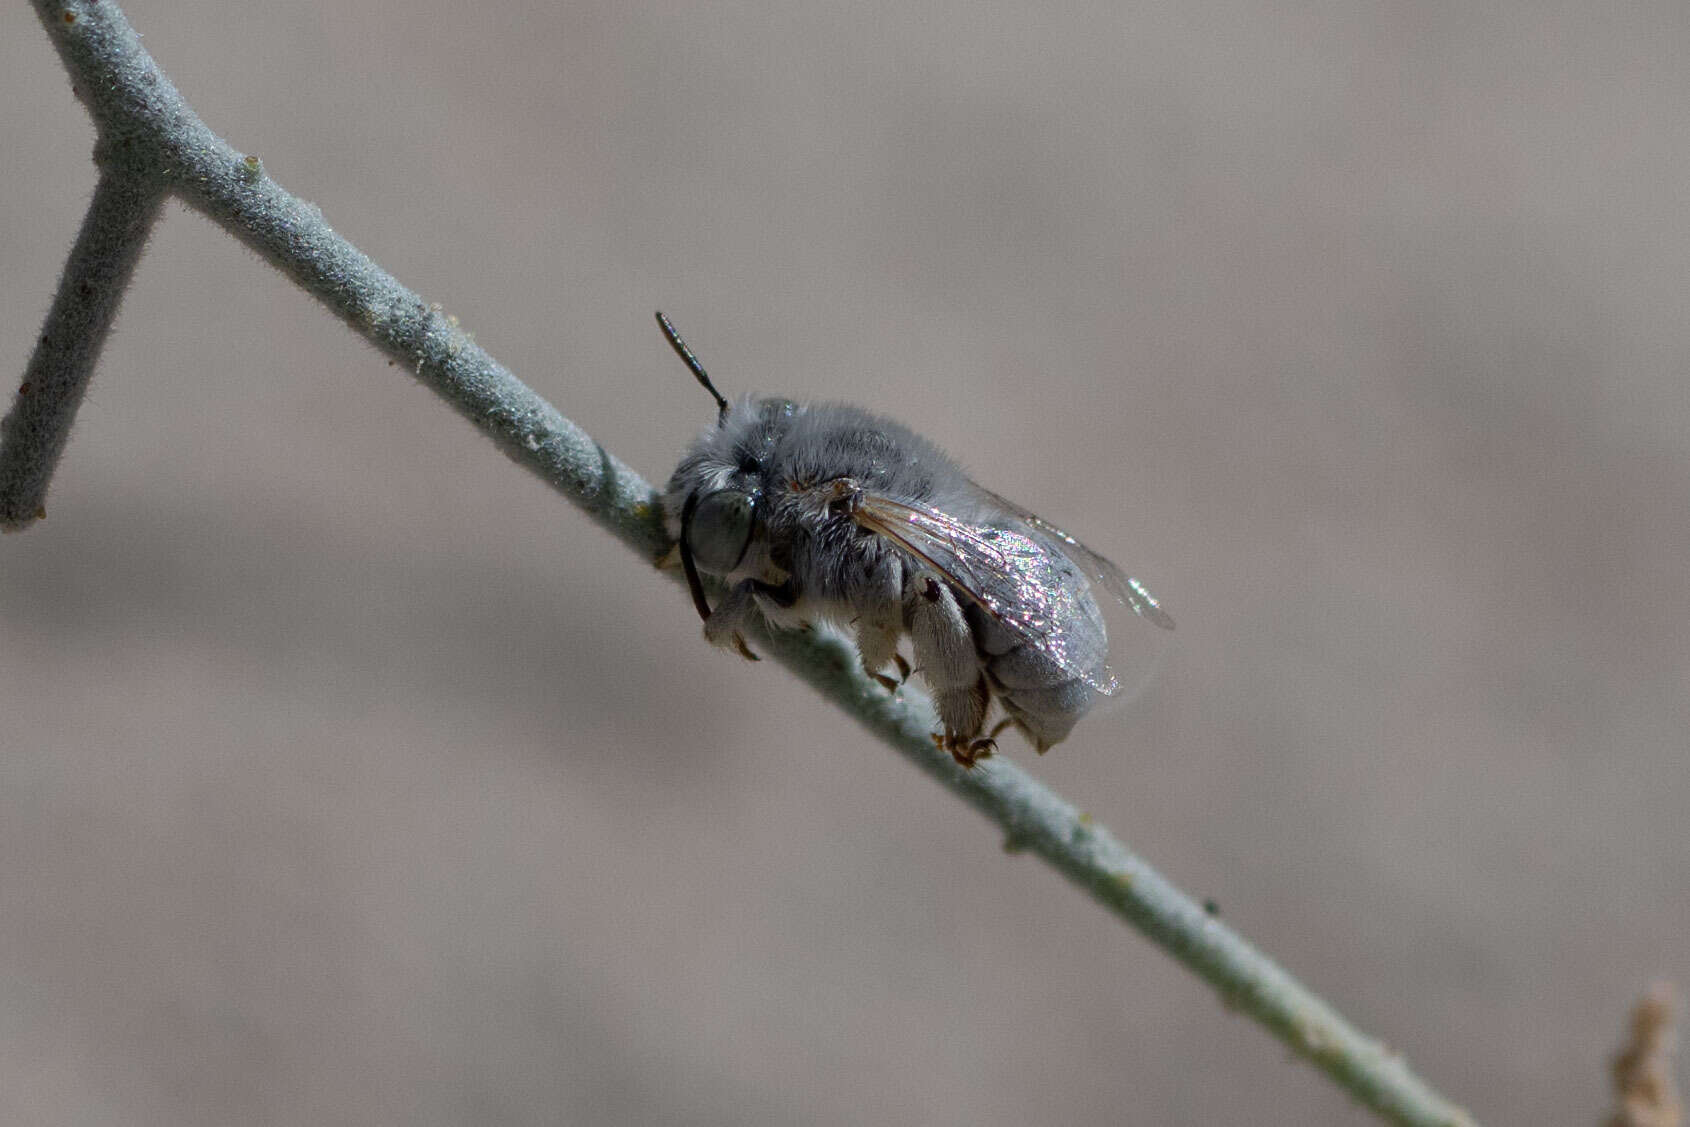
point(826, 512)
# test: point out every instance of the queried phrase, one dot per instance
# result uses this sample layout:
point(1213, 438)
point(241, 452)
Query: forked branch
point(152, 144)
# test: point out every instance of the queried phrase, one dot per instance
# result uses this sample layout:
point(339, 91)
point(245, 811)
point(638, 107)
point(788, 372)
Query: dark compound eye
point(721, 529)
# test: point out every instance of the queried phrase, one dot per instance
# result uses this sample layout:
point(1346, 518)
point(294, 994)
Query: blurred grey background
point(350, 776)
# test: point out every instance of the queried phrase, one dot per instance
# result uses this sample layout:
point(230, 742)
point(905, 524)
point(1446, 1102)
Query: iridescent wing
point(1024, 577)
point(1104, 572)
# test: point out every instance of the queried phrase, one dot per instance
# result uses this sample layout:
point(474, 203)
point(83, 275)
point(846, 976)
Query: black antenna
point(691, 361)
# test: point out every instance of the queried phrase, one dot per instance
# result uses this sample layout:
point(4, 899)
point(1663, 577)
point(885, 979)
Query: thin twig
point(34, 432)
point(148, 131)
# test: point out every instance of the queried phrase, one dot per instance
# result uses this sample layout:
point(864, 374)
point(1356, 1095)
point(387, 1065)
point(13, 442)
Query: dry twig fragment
point(1644, 1092)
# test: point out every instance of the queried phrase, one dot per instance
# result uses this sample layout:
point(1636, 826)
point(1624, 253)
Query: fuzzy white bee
point(826, 512)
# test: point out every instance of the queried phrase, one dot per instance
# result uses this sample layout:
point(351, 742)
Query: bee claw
point(744, 650)
point(890, 684)
point(966, 752)
point(903, 667)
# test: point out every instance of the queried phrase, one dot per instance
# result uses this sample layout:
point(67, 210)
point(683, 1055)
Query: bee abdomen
point(1043, 699)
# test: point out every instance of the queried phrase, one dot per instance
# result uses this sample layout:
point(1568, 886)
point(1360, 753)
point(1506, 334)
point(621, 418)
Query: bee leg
point(1040, 744)
point(967, 753)
point(1043, 736)
point(725, 625)
point(944, 649)
point(878, 594)
point(878, 644)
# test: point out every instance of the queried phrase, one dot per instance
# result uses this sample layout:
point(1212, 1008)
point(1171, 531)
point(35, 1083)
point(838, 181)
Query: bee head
point(719, 514)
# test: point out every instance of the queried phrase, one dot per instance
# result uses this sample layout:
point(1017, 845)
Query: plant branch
point(34, 432)
point(149, 136)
